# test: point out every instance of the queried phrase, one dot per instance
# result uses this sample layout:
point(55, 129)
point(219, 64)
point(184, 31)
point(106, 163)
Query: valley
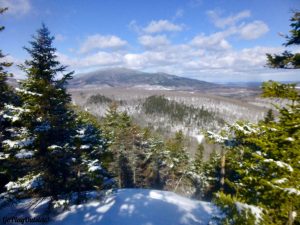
point(168, 111)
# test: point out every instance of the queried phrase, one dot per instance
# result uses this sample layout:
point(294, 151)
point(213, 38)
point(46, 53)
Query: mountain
point(121, 77)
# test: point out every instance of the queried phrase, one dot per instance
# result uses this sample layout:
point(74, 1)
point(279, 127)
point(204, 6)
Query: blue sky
point(224, 40)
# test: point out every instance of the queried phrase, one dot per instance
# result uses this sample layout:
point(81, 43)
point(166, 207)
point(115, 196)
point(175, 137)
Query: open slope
point(127, 207)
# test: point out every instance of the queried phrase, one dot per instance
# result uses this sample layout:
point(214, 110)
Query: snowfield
point(124, 207)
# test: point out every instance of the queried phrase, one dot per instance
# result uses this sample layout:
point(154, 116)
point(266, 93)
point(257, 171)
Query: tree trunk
point(223, 161)
point(291, 217)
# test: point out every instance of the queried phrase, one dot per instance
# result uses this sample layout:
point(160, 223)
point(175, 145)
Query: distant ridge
point(122, 77)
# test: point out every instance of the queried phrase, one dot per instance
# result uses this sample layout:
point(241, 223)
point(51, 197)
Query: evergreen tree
point(7, 102)
point(269, 117)
point(90, 156)
point(156, 171)
point(5, 90)
point(178, 162)
point(287, 59)
point(119, 131)
point(196, 173)
point(265, 158)
point(48, 121)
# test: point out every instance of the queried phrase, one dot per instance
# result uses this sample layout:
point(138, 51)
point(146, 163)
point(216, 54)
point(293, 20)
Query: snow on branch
point(280, 164)
point(28, 182)
point(28, 92)
point(255, 210)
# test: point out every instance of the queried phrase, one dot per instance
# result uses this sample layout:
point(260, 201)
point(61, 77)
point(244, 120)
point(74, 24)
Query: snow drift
point(126, 207)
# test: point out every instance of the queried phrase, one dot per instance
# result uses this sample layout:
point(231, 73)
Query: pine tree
point(156, 171)
point(196, 173)
point(178, 162)
point(269, 117)
point(7, 101)
point(265, 159)
point(118, 128)
point(90, 156)
point(48, 122)
point(287, 59)
point(5, 89)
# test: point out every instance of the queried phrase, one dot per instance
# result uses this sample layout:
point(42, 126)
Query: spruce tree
point(4, 87)
point(265, 159)
point(196, 173)
point(288, 60)
point(178, 162)
point(90, 156)
point(269, 117)
point(7, 100)
point(48, 121)
point(118, 128)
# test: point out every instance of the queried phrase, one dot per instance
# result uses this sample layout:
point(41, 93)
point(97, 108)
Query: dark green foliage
point(294, 38)
point(265, 157)
point(5, 89)
point(211, 170)
point(178, 111)
point(273, 89)
point(155, 166)
point(90, 154)
point(140, 158)
point(234, 214)
point(55, 150)
point(199, 156)
point(287, 60)
point(7, 101)
point(46, 115)
point(119, 130)
point(178, 162)
point(197, 172)
point(269, 117)
point(98, 99)
point(125, 171)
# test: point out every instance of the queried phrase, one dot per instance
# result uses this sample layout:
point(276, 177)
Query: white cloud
point(157, 41)
point(184, 59)
point(179, 59)
point(98, 41)
point(253, 30)
point(97, 59)
point(16, 7)
point(247, 31)
point(202, 56)
point(215, 41)
point(103, 59)
point(227, 21)
point(157, 26)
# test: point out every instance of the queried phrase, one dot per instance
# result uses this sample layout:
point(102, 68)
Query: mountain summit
point(122, 77)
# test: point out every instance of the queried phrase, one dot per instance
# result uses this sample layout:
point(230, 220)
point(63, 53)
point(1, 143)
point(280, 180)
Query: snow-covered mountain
point(122, 77)
point(124, 206)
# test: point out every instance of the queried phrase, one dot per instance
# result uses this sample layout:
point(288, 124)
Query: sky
point(211, 40)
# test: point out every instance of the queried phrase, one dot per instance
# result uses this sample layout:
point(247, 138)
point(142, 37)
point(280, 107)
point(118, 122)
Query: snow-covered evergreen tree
point(265, 159)
point(90, 156)
point(60, 152)
point(48, 122)
point(7, 102)
point(119, 131)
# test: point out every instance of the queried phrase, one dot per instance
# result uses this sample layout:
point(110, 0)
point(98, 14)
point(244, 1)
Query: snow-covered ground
point(124, 207)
